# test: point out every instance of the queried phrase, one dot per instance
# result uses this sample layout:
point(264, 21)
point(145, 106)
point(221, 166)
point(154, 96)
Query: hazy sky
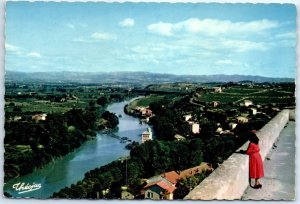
point(252, 39)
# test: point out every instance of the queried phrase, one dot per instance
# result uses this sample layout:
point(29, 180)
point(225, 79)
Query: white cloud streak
point(211, 27)
point(34, 54)
point(243, 45)
point(225, 62)
point(127, 22)
point(12, 48)
point(287, 35)
point(103, 36)
point(161, 28)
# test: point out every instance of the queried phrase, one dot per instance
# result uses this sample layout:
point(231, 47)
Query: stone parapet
point(292, 115)
point(230, 179)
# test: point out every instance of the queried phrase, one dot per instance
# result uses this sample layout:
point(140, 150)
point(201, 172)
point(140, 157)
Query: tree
point(17, 109)
point(208, 129)
point(102, 101)
point(156, 107)
point(112, 119)
point(185, 185)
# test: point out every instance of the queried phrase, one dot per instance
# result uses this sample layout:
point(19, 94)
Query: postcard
point(155, 101)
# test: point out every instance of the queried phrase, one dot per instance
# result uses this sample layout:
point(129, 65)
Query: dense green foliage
point(185, 185)
point(153, 157)
point(112, 119)
point(102, 100)
point(145, 101)
point(146, 160)
point(73, 111)
point(281, 93)
point(22, 146)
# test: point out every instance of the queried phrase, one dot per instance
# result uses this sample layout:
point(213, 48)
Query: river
point(93, 153)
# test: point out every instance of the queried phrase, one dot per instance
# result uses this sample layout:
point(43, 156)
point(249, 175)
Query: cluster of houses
point(250, 110)
point(68, 97)
point(194, 127)
point(217, 89)
point(143, 112)
point(36, 117)
point(162, 187)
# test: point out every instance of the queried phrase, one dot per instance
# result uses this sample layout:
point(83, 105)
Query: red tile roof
point(164, 185)
point(171, 176)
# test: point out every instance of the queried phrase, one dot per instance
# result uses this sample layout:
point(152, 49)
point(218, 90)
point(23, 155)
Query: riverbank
point(39, 143)
point(71, 168)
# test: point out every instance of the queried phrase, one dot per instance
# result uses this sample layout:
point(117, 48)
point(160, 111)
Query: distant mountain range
point(132, 77)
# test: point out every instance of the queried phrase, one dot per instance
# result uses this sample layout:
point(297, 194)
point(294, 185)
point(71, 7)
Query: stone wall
point(292, 115)
point(230, 179)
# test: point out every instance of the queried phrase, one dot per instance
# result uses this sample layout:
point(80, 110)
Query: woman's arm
point(252, 149)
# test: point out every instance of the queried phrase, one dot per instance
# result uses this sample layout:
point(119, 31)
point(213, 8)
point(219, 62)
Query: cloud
point(211, 27)
point(73, 25)
point(243, 45)
point(95, 37)
point(225, 62)
point(103, 36)
point(70, 25)
point(287, 35)
point(82, 40)
point(34, 54)
point(161, 28)
point(127, 22)
point(20, 52)
point(229, 45)
point(12, 48)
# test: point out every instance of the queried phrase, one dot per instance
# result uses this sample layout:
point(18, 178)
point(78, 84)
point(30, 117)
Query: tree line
point(146, 160)
point(38, 142)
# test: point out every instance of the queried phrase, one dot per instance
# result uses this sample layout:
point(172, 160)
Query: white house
point(217, 89)
point(147, 135)
point(179, 137)
point(17, 118)
point(38, 117)
point(253, 111)
point(215, 103)
point(232, 125)
point(194, 127)
point(219, 130)
point(248, 103)
point(242, 119)
point(187, 117)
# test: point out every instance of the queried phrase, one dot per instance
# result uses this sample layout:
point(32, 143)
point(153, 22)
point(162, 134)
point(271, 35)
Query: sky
point(197, 39)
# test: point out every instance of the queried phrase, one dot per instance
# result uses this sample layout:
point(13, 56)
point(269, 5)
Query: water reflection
point(92, 154)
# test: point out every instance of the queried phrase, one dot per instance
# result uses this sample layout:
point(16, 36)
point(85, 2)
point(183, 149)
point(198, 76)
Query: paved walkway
point(279, 180)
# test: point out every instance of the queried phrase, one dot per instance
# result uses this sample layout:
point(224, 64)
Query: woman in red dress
point(256, 167)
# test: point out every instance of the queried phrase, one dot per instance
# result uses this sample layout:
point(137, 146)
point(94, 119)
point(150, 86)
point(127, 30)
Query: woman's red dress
point(256, 167)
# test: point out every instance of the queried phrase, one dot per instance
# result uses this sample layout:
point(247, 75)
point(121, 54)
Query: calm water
point(93, 153)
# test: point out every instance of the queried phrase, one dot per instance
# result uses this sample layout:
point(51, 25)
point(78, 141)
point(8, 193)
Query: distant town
point(192, 128)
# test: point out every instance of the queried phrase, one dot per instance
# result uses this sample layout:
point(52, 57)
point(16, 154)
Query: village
point(231, 115)
point(212, 119)
point(232, 120)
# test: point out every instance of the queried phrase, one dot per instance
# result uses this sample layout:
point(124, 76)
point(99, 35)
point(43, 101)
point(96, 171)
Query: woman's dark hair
point(253, 138)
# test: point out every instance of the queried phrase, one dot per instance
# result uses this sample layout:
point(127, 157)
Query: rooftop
point(164, 184)
point(277, 148)
point(171, 176)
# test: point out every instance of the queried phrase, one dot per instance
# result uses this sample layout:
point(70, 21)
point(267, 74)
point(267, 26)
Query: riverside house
point(162, 187)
